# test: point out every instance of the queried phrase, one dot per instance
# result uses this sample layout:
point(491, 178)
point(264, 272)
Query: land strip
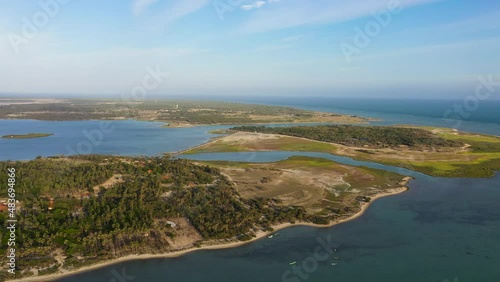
point(176, 113)
point(439, 152)
point(26, 136)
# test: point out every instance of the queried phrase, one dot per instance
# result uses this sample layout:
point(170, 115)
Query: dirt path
point(113, 180)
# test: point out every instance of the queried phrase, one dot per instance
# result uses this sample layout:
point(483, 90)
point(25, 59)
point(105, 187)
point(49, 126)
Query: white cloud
point(141, 5)
point(293, 13)
point(254, 5)
point(180, 8)
point(167, 12)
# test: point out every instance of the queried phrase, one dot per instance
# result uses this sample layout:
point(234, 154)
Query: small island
point(27, 136)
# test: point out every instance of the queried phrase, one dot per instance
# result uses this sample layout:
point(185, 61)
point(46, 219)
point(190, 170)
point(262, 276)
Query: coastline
point(259, 235)
point(362, 121)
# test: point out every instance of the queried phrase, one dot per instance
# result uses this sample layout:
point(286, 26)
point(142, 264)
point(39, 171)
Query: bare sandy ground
point(259, 235)
point(116, 178)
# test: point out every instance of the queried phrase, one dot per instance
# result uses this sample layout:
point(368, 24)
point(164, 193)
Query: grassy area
point(216, 147)
point(220, 131)
point(482, 166)
point(323, 187)
point(27, 136)
point(481, 159)
point(479, 155)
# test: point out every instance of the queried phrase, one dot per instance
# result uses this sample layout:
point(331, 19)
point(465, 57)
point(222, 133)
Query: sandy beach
point(259, 235)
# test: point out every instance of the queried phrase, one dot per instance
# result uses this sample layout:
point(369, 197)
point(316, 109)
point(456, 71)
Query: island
point(26, 136)
point(83, 211)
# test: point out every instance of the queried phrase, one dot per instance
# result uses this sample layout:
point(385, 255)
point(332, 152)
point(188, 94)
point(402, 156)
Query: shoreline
point(259, 235)
point(344, 119)
point(363, 121)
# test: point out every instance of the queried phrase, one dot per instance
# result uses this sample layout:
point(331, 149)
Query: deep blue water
point(441, 230)
point(482, 118)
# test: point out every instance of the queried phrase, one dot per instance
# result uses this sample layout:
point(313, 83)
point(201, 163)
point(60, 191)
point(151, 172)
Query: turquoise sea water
point(441, 230)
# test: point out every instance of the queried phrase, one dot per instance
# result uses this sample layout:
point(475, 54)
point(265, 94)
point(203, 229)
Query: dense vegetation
point(59, 211)
point(361, 136)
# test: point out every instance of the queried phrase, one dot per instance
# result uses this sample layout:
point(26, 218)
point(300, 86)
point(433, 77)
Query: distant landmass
point(26, 136)
point(177, 113)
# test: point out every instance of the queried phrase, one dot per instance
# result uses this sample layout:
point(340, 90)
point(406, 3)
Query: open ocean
point(483, 117)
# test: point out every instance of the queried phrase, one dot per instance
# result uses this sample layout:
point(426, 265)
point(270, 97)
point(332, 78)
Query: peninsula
point(78, 212)
point(175, 113)
point(434, 151)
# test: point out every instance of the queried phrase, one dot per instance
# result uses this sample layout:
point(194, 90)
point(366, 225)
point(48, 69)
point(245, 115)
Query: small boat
point(272, 235)
point(293, 262)
point(336, 258)
point(334, 263)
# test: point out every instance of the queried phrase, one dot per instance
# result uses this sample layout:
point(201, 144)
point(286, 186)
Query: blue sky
point(228, 47)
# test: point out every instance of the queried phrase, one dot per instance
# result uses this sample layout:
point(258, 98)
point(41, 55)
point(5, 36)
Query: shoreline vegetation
point(260, 235)
point(175, 113)
point(26, 136)
point(434, 151)
point(106, 209)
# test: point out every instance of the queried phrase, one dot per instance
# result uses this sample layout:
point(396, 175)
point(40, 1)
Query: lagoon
point(126, 137)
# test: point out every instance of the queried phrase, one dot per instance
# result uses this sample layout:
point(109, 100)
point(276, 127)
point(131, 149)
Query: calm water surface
point(127, 137)
point(441, 230)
